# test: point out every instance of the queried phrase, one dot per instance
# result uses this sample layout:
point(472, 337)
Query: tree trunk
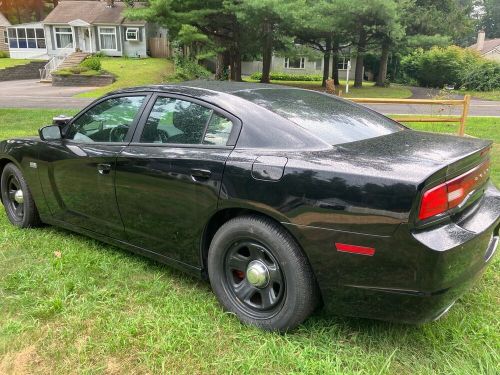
point(335, 64)
point(236, 65)
point(39, 4)
point(267, 52)
point(360, 58)
point(326, 60)
point(382, 72)
point(221, 65)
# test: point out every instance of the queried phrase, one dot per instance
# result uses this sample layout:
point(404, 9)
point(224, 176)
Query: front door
point(168, 179)
point(84, 39)
point(80, 169)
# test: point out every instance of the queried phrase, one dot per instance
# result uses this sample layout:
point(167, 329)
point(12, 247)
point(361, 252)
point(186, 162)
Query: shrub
point(93, 63)
point(187, 69)
point(460, 67)
point(279, 76)
point(482, 76)
point(4, 54)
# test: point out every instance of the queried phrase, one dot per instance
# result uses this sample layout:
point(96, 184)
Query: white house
point(81, 25)
point(488, 48)
point(299, 65)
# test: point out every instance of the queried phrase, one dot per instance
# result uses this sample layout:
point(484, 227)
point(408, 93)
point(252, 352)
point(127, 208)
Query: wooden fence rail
point(462, 120)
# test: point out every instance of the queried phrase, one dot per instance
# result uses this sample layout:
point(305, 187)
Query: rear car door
point(77, 172)
point(168, 179)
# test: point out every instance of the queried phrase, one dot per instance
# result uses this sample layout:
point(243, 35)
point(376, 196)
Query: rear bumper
point(413, 277)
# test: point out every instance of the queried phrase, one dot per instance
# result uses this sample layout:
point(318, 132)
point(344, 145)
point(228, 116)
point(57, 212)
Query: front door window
point(108, 121)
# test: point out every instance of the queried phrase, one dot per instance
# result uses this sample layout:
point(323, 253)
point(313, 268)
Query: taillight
point(453, 192)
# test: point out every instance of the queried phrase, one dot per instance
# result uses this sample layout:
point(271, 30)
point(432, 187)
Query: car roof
point(261, 128)
point(187, 87)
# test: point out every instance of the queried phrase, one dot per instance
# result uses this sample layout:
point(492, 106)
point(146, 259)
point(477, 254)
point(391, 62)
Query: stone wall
point(27, 71)
point(82, 80)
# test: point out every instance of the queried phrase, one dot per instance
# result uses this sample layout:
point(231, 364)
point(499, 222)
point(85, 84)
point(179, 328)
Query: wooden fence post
point(465, 113)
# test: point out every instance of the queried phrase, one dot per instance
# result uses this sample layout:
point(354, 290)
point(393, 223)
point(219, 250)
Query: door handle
point(200, 174)
point(104, 168)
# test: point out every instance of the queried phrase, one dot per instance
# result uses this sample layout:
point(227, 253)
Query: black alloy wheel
point(254, 278)
point(16, 198)
point(259, 273)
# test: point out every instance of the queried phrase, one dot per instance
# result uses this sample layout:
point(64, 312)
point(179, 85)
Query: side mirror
point(50, 133)
point(61, 120)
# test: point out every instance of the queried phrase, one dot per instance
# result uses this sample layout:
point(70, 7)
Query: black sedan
point(285, 199)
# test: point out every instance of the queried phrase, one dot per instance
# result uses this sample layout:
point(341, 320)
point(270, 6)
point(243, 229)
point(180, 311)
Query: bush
point(278, 76)
point(453, 65)
point(92, 63)
point(187, 69)
point(483, 76)
point(4, 54)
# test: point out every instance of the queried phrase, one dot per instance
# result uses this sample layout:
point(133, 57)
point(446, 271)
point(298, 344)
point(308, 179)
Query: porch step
point(73, 60)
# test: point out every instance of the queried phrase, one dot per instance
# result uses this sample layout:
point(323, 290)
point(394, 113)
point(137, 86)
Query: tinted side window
point(218, 130)
point(176, 121)
point(108, 121)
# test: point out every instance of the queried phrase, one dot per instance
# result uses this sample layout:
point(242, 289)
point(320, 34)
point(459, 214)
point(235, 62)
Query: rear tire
point(17, 199)
point(258, 272)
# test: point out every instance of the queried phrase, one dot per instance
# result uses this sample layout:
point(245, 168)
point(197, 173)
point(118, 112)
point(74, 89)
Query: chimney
point(481, 35)
point(110, 3)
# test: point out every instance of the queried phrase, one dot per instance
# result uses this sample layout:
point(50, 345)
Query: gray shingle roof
point(92, 12)
point(489, 45)
point(4, 21)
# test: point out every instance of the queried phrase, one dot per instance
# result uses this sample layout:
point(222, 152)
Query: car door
point(168, 179)
point(77, 172)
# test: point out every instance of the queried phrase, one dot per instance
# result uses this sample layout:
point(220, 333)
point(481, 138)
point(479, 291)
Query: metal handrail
point(55, 62)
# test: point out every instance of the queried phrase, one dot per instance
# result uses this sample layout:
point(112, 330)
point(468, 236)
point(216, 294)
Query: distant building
point(488, 48)
point(4, 23)
point(300, 65)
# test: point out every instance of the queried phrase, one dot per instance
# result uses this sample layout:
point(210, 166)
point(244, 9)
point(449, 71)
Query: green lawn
point(132, 72)
point(69, 304)
point(369, 90)
point(488, 95)
point(8, 62)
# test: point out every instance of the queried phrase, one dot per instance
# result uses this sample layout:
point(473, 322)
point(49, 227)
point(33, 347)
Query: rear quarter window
point(333, 120)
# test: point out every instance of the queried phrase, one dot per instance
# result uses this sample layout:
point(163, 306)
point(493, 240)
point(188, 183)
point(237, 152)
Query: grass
point(8, 62)
point(369, 90)
point(488, 95)
point(131, 72)
point(69, 304)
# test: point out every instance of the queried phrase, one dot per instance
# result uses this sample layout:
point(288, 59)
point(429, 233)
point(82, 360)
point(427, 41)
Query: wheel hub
point(257, 274)
point(19, 197)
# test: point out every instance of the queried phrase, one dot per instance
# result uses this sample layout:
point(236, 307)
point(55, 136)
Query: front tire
point(17, 199)
point(258, 272)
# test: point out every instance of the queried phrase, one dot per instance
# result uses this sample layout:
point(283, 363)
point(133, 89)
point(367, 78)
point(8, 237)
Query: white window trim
point(101, 33)
point(25, 38)
point(344, 61)
point(64, 33)
point(302, 63)
point(136, 29)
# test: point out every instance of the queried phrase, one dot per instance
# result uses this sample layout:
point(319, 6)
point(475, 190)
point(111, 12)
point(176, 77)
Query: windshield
point(334, 121)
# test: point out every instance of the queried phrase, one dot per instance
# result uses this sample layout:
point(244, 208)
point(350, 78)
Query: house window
point(294, 63)
point(107, 38)
point(343, 62)
point(64, 37)
point(132, 34)
point(25, 38)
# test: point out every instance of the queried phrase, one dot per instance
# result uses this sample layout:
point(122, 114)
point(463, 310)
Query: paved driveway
point(33, 94)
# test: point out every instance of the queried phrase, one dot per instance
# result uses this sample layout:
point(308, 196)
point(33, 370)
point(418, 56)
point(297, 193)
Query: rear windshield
point(334, 121)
